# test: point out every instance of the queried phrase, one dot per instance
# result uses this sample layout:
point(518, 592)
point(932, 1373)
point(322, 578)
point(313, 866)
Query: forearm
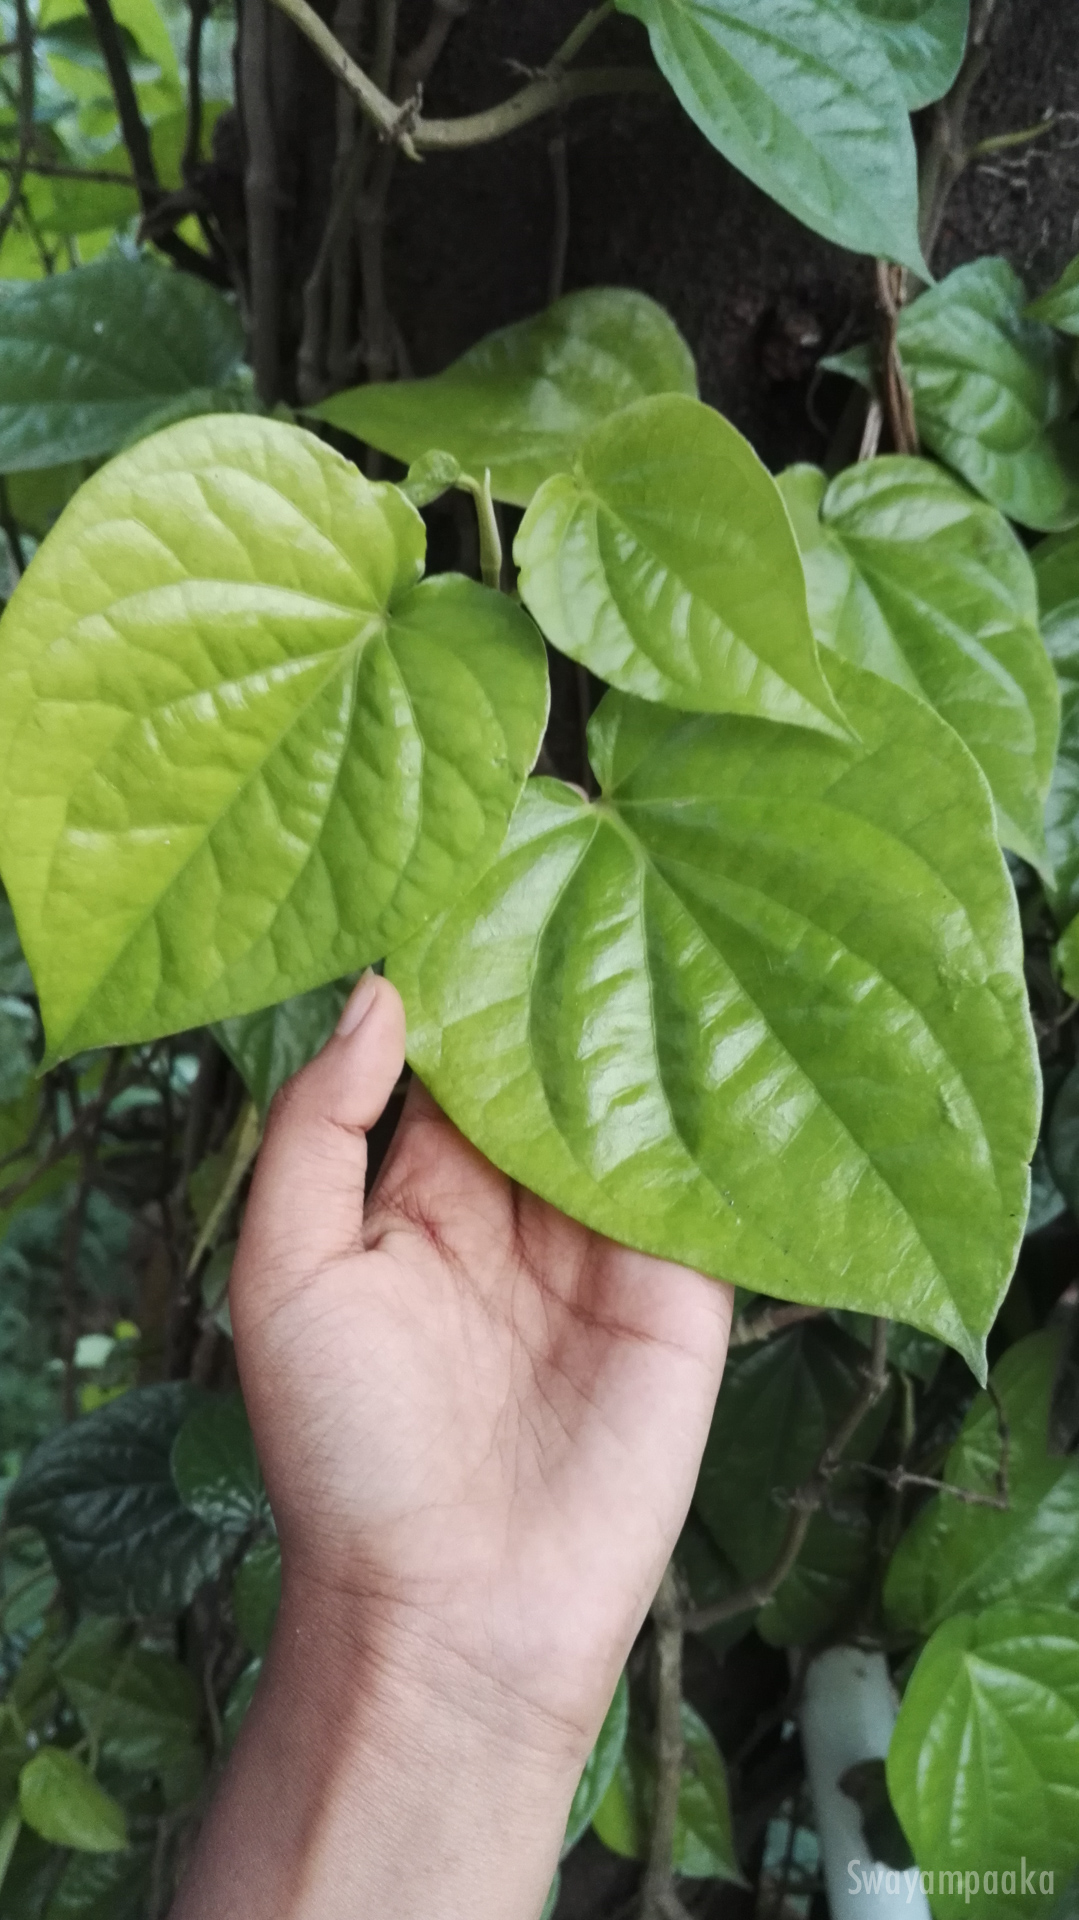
point(380, 1781)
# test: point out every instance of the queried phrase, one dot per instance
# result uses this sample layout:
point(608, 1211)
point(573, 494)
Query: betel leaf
point(1056, 569)
point(703, 1846)
point(523, 399)
point(803, 99)
point(215, 1466)
point(256, 1594)
point(252, 749)
point(981, 1765)
point(666, 564)
point(924, 40)
point(141, 1708)
point(267, 1048)
point(104, 1886)
point(992, 392)
point(84, 356)
point(1058, 306)
point(60, 1799)
point(910, 575)
point(956, 1556)
point(780, 1403)
point(101, 1494)
point(758, 1009)
point(600, 1766)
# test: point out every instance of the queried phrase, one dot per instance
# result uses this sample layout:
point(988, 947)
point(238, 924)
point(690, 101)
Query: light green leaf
point(759, 1009)
point(600, 1766)
point(141, 1708)
point(429, 477)
point(244, 749)
point(256, 1594)
point(85, 356)
point(924, 40)
point(992, 391)
point(60, 1799)
point(1059, 305)
point(1056, 569)
point(703, 1841)
point(803, 99)
point(911, 576)
point(956, 1556)
point(982, 1763)
point(215, 1466)
point(522, 400)
point(665, 563)
point(267, 1048)
point(778, 1405)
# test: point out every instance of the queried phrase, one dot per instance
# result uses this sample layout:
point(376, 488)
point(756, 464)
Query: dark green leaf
point(665, 564)
point(992, 391)
point(600, 1766)
point(1046, 1200)
point(240, 1699)
point(85, 356)
point(341, 743)
point(803, 99)
point(14, 972)
point(267, 1048)
point(705, 1016)
point(1059, 306)
point(1062, 1140)
point(215, 1466)
point(105, 1886)
point(60, 1799)
point(553, 1892)
point(865, 1783)
point(924, 40)
point(982, 1764)
point(256, 1594)
point(141, 1708)
point(522, 401)
point(957, 1556)
point(703, 1840)
point(101, 1494)
point(912, 577)
point(1056, 569)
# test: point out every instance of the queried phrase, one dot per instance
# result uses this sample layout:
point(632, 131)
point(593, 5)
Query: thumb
point(306, 1203)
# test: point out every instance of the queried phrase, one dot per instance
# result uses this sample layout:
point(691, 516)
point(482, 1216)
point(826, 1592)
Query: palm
point(485, 1410)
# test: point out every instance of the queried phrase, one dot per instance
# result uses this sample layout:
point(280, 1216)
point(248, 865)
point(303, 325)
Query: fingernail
point(359, 1004)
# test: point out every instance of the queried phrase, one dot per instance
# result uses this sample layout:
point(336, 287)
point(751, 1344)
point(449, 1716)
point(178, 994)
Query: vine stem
point(946, 154)
point(658, 1899)
point(24, 41)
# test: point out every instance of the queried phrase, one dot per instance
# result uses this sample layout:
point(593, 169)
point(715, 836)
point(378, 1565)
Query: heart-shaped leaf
point(802, 98)
point(911, 576)
point(1056, 568)
point(60, 1799)
point(956, 1555)
point(981, 1766)
point(992, 392)
point(924, 40)
point(215, 1467)
point(1059, 305)
point(521, 401)
point(667, 565)
point(86, 356)
point(759, 1009)
point(243, 747)
point(141, 1708)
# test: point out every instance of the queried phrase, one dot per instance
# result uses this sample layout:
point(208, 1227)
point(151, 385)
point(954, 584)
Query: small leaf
point(1059, 305)
point(803, 99)
point(215, 1466)
point(429, 477)
point(758, 1009)
point(666, 565)
point(244, 749)
point(703, 1840)
point(267, 1048)
point(955, 1556)
point(86, 355)
point(522, 400)
point(600, 1766)
point(924, 40)
point(911, 576)
point(60, 1799)
point(101, 1494)
point(981, 1765)
point(1056, 569)
point(141, 1708)
point(256, 1594)
point(992, 392)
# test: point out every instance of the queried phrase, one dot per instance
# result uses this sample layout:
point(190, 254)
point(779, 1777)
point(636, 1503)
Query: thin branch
point(897, 400)
point(8, 523)
point(807, 1499)
point(25, 44)
point(770, 1320)
point(260, 193)
point(54, 170)
point(200, 11)
point(898, 1479)
point(74, 1228)
point(946, 154)
point(556, 153)
point(659, 1872)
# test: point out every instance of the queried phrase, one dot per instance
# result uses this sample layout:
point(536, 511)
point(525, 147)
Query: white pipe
point(847, 1714)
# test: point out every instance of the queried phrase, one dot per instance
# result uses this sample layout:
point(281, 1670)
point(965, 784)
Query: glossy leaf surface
point(992, 391)
point(60, 1799)
point(256, 1594)
point(243, 747)
point(1056, 568)
point(701, 1015)
point(140, 1707)
point(268, 1047)
point(982, 1763)
point(215, 1466)
point(924, 40)
point(955, 1556)
point(803, 99)
point(101, 1494)
point(703, 1841)
point(600, 1766)
point(85, 356)
point(1059, 305)
point(665, 563)
point(911, 576)
point(524, 398)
